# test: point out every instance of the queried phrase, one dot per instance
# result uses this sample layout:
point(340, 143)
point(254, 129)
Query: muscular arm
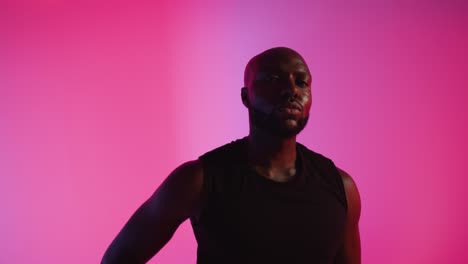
point(156, 220)
point(350, 253)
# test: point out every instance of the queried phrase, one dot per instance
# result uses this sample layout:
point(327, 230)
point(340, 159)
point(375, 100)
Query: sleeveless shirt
point(247, 218)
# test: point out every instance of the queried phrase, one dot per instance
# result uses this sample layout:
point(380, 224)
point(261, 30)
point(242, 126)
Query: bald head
point(277, 92)
point(271, 58)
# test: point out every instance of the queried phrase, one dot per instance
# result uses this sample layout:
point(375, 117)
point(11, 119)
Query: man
point(261, 199)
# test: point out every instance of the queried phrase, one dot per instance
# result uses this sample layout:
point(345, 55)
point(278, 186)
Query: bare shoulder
point(348, 181)
point(181, 191)
point(188, 175)
point(190, 171)
point(352, 195)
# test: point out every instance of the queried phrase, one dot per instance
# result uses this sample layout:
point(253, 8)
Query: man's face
point(279, 93)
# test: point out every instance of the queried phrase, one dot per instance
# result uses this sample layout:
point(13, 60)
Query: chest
point(281, 222)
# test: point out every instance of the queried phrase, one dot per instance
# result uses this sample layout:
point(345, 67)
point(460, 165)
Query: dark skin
point(277, 94)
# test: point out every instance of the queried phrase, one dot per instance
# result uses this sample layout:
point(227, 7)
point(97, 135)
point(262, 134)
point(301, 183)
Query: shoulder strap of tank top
point(327, 173)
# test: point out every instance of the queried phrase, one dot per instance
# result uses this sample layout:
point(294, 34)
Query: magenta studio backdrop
point(99, 101)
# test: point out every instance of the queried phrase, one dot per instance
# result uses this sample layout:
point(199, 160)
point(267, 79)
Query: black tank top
point(246, 218)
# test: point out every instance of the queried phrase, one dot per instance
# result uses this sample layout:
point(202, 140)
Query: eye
point(267, 77)
point(302, 83)
point(272, 78)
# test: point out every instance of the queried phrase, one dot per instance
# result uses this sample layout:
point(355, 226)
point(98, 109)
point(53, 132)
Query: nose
point(289, 91)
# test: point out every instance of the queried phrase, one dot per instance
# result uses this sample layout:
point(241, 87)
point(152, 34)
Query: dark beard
point(271, 123)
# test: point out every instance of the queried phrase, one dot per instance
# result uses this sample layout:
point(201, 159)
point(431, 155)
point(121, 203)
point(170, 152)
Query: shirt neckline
point(294, 179)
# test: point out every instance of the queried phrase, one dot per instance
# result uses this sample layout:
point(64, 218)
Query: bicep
point(155, 221)
point(351, 249)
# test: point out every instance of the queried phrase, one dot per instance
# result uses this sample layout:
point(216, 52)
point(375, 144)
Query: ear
point(245, 97)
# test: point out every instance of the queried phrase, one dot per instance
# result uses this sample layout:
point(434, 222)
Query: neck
point(270, 151)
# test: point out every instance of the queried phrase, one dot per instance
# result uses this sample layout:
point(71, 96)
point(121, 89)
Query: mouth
point(291, 108)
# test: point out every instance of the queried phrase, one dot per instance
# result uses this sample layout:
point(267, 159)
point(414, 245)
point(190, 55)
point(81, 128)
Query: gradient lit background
point(99, 101)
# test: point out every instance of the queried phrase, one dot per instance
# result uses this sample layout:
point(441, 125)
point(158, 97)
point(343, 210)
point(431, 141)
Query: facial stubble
point(272, 124)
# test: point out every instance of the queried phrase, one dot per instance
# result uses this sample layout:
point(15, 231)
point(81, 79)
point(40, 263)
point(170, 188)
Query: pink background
point(100, 101)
